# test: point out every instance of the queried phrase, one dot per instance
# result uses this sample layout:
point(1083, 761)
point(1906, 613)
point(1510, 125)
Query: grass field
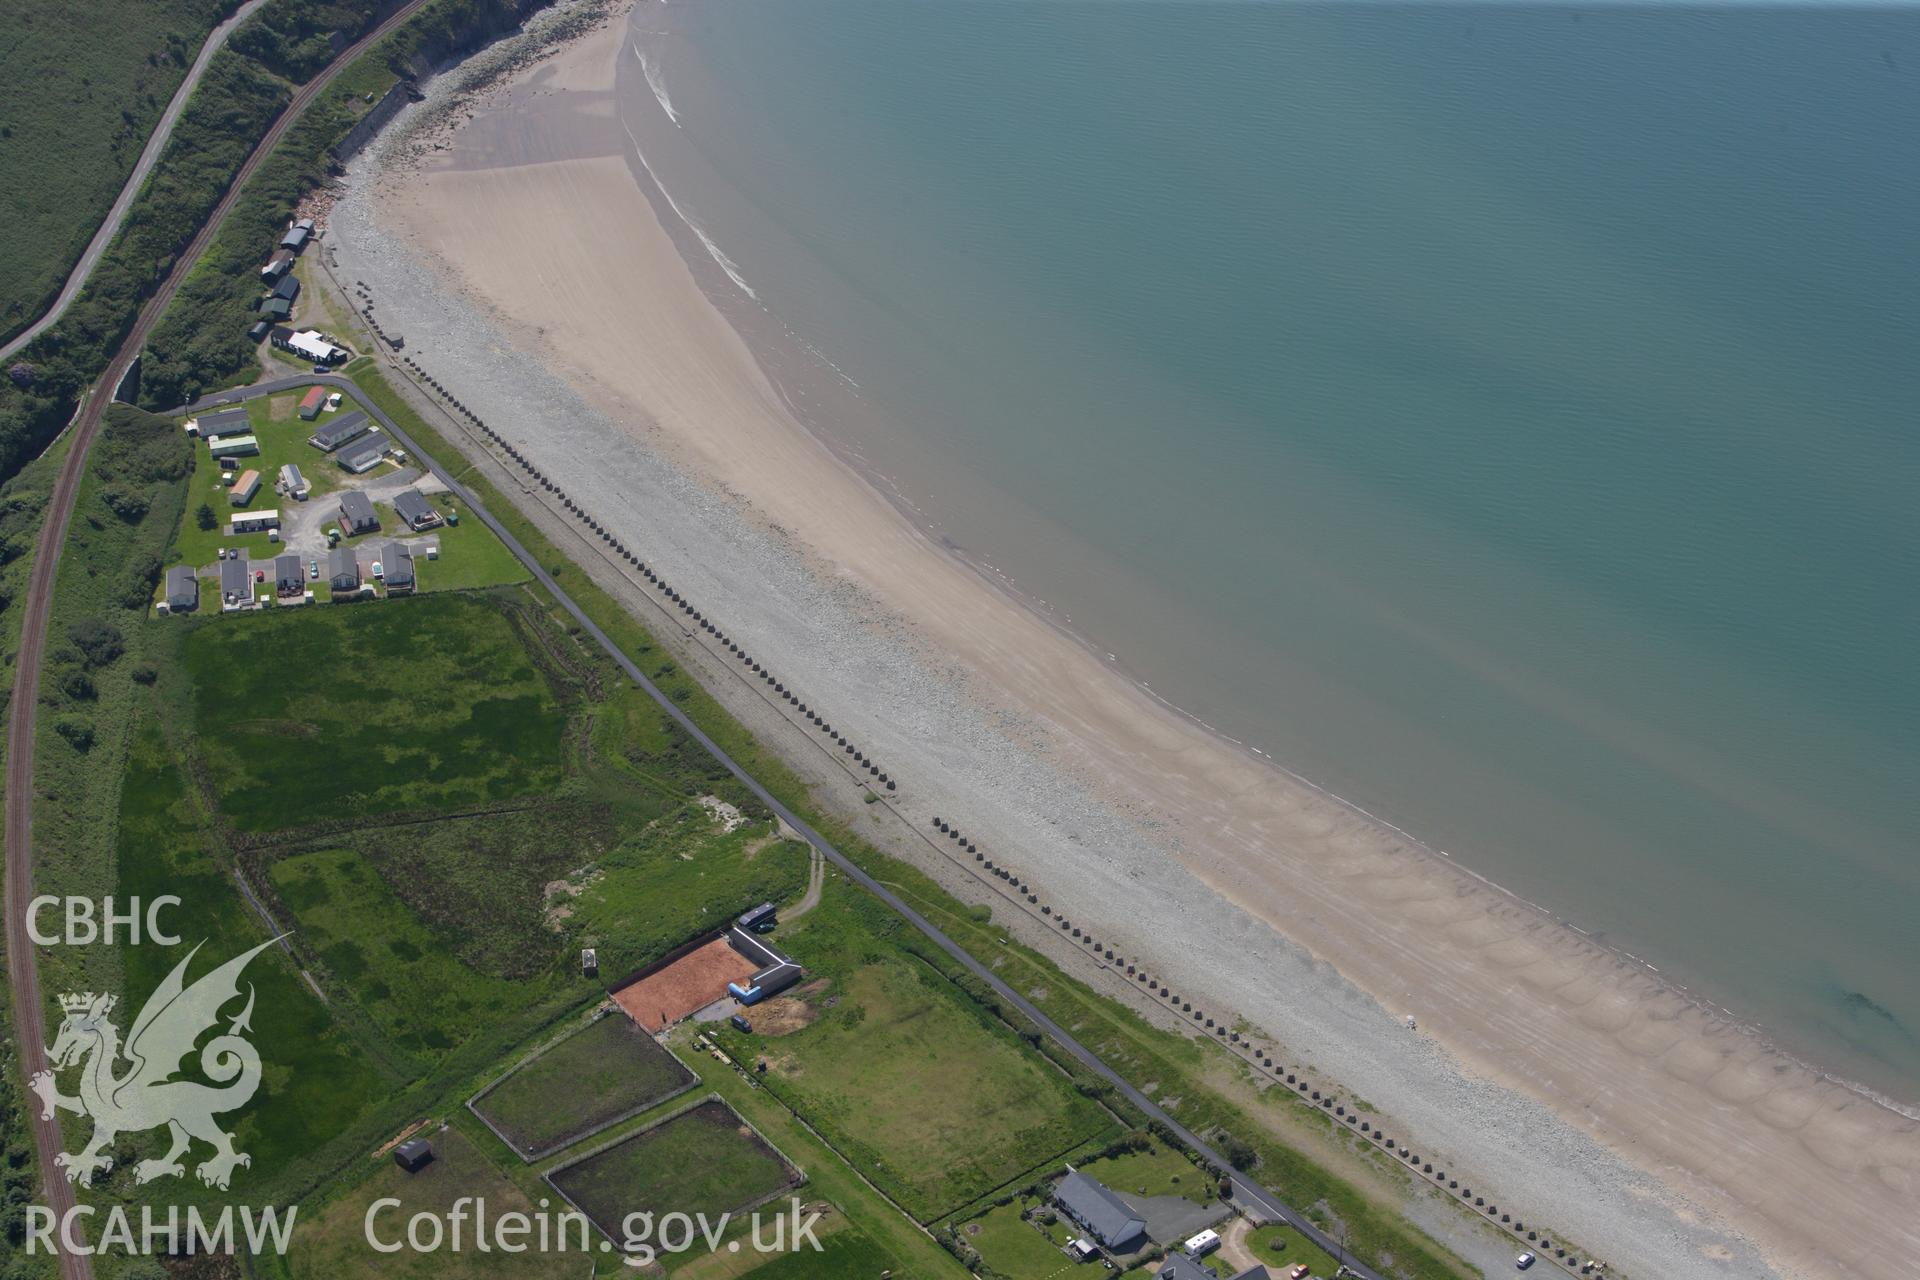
point(316, 1079)
point(1283, 1248)
point(332, 1243)
point(1157, 1171)
point(702, 1161)
point(81, 90)
point(931, 1099)
point(429, 703)
point(844, 1255)
point(405, 978)
point(595, 1076)
point(1013, 1247)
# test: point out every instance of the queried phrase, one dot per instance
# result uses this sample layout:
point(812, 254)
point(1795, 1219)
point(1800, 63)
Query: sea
point(1505, 416)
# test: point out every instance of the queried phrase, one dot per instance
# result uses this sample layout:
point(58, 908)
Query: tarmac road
point(156, 143)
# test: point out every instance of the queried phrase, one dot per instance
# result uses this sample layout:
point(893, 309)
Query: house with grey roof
point(337, 431)
point(183, 589)
point(236, 583)
point(288, 287)
point(413, 508)
point(356, 513)
point(363, 454)
point(289, 576)
point(297, 235)
point(343, 571)
point(396, 567)
point(1100, 1213)
point(1181, 1266)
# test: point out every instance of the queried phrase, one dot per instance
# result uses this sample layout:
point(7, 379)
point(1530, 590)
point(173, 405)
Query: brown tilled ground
point(692, 982)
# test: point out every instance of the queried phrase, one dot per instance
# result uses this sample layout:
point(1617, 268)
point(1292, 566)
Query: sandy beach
point(528, 263)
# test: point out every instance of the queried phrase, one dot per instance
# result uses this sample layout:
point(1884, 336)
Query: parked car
point(1524, 1261)
point(740, 1023)
point(313, 571)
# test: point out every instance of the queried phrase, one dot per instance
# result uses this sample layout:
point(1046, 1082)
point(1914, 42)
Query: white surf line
point(656, 83)
point(713, 250)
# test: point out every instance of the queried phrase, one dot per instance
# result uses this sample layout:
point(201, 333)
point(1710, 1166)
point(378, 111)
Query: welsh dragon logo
point(146, 1095)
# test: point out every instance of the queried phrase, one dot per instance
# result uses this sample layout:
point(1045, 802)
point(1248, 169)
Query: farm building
point(244, 488)
point(183, 590)
point(1101, 1213)
point(231, 421)
point(288, 287)
point(331, 435)
point(255, 521)
point(293, 484)
point(775, 974)
point(396, 567)
point(259, 331)
point(760, 919)
point(289, 579)
point(363, 454)
point(413, 1154)
point(343, 570)
point(309, 344)
point(236, 583)
point(278, 265)
point(1180, 1266)
point(234, 447)
point(412, 508)
point(276, 308)
point(313, 402)
point(357, 514)
point(297, 235)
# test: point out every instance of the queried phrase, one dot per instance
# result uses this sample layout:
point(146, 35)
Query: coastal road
point(23, 711)
point(156, 143)
point(1247, 1193)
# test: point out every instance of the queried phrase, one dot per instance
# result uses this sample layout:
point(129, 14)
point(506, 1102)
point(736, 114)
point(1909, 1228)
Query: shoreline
point(1376, 860)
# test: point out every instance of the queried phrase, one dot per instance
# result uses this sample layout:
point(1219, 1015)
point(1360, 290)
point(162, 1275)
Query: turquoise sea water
point(1508, 417)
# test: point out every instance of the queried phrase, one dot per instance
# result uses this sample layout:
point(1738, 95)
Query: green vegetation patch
point(928, 1096)
point(310, 715)
point(1282, 1249)
point(419, 994)
point(1154, 1170)
point(333, 1242)
point(1012, 1246)
point(602, 1073)
point(705, 1159)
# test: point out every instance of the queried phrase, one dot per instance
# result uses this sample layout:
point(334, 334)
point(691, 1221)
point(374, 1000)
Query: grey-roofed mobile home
point(396, 567)
point(276, 308)
point(297, 236)
point(343, 570)
point(1104, 1215)
point(331, 435)
point(413, 508)
point(357, 514)
point(288, 287)
point(232, 421)
point(292, 483)
point(259, 331)
point(236, 583)
point(363, 454)
point(183, 589)
point(289, 578)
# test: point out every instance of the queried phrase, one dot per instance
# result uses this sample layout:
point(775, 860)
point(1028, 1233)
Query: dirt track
point(23, 713)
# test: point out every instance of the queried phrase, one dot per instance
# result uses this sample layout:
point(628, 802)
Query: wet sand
point(1562, 1076)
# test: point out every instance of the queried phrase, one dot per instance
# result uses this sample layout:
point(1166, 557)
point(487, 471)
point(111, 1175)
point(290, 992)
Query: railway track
point(23, 712)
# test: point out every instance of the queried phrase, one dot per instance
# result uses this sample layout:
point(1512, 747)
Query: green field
point(422, 704)
point(1283, 1248)
point(1157, 1171)
point(703, 1160)
point(403, 976)
point(1013, 1247)
point(845, 1255)
point(331, 1242)
point(600, 1073)
point(82, 89)
point(930, 1097)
